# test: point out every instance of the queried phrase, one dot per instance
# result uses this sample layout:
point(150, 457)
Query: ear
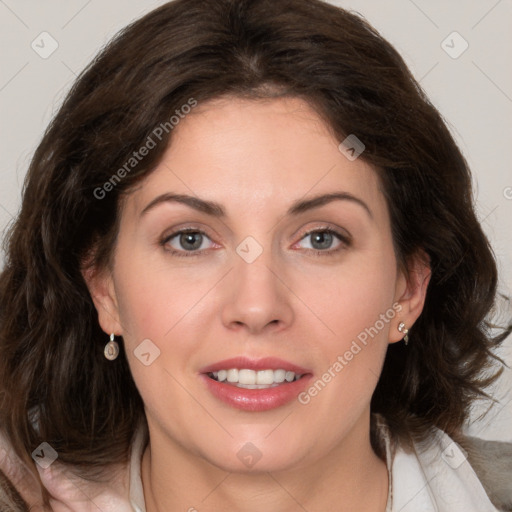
point(101, 287)
point(410, 292)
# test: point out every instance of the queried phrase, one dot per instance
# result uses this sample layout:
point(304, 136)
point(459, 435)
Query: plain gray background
point(467, 75)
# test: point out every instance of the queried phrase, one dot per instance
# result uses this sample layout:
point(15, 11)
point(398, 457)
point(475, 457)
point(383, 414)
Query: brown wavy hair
point(58, 386)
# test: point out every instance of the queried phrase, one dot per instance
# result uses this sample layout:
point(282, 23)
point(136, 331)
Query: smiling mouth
point(255, 385)
point(254, 379)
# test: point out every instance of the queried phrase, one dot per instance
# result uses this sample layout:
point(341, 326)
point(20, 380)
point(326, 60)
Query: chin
point(259, 455)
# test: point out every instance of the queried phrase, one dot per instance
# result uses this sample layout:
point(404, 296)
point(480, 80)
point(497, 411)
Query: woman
point(247, 275)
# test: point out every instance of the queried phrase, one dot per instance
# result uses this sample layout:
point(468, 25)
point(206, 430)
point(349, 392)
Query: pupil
point(324, 240)
point(194, 239)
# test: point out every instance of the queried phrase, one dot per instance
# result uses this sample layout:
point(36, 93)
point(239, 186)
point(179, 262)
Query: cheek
point(158, 317)
point(153, 297)
point(162, 313)
point(356, 304)
point(356, 294)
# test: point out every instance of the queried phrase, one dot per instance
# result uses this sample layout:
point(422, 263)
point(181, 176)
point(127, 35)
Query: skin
point(256, 158)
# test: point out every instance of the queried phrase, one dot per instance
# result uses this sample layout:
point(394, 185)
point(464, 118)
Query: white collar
point(136, 490)
point(433, 477)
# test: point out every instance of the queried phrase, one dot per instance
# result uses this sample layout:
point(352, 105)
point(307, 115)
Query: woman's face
point(277, 277)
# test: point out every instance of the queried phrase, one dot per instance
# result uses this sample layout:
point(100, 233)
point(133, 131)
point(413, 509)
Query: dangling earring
point(404, 330)
point(111, 349)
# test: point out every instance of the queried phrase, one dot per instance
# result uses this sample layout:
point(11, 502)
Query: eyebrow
point(216, 210)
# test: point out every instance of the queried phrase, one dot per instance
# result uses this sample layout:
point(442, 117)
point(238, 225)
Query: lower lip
point(256, 400)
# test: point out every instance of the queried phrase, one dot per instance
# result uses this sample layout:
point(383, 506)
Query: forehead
point(254, 155)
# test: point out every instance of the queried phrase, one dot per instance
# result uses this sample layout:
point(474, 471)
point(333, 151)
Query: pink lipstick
point(255, 384)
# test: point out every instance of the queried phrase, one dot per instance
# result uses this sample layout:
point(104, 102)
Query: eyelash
point(344, 239)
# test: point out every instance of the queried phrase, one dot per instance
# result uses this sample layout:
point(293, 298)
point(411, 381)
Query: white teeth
point(265, 377)
point(246, 377)
point(279, 375)
point(252, 379)
point(232, 375)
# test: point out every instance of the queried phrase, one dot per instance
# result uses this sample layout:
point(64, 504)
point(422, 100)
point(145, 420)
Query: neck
point(350, 476)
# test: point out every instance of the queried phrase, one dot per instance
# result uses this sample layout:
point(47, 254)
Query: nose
point(256, 297)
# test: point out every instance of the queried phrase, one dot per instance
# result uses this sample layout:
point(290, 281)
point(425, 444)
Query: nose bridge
point(253, 274)
point(256, 296)
point(254, 282)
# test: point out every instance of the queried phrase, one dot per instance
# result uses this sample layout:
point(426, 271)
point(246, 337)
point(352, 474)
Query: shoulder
point(22, 488)
point(492, 462)
point(439, 474)
point(19, 489)
point(10, 499)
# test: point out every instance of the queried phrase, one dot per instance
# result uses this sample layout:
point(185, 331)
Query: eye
point(325, 241)
point(191, 241)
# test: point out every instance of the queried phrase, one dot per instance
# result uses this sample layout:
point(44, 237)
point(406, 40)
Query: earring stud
point(404, 330)
point(111, 349)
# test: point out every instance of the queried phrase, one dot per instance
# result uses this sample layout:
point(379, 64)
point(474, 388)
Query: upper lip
point(266, 363)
